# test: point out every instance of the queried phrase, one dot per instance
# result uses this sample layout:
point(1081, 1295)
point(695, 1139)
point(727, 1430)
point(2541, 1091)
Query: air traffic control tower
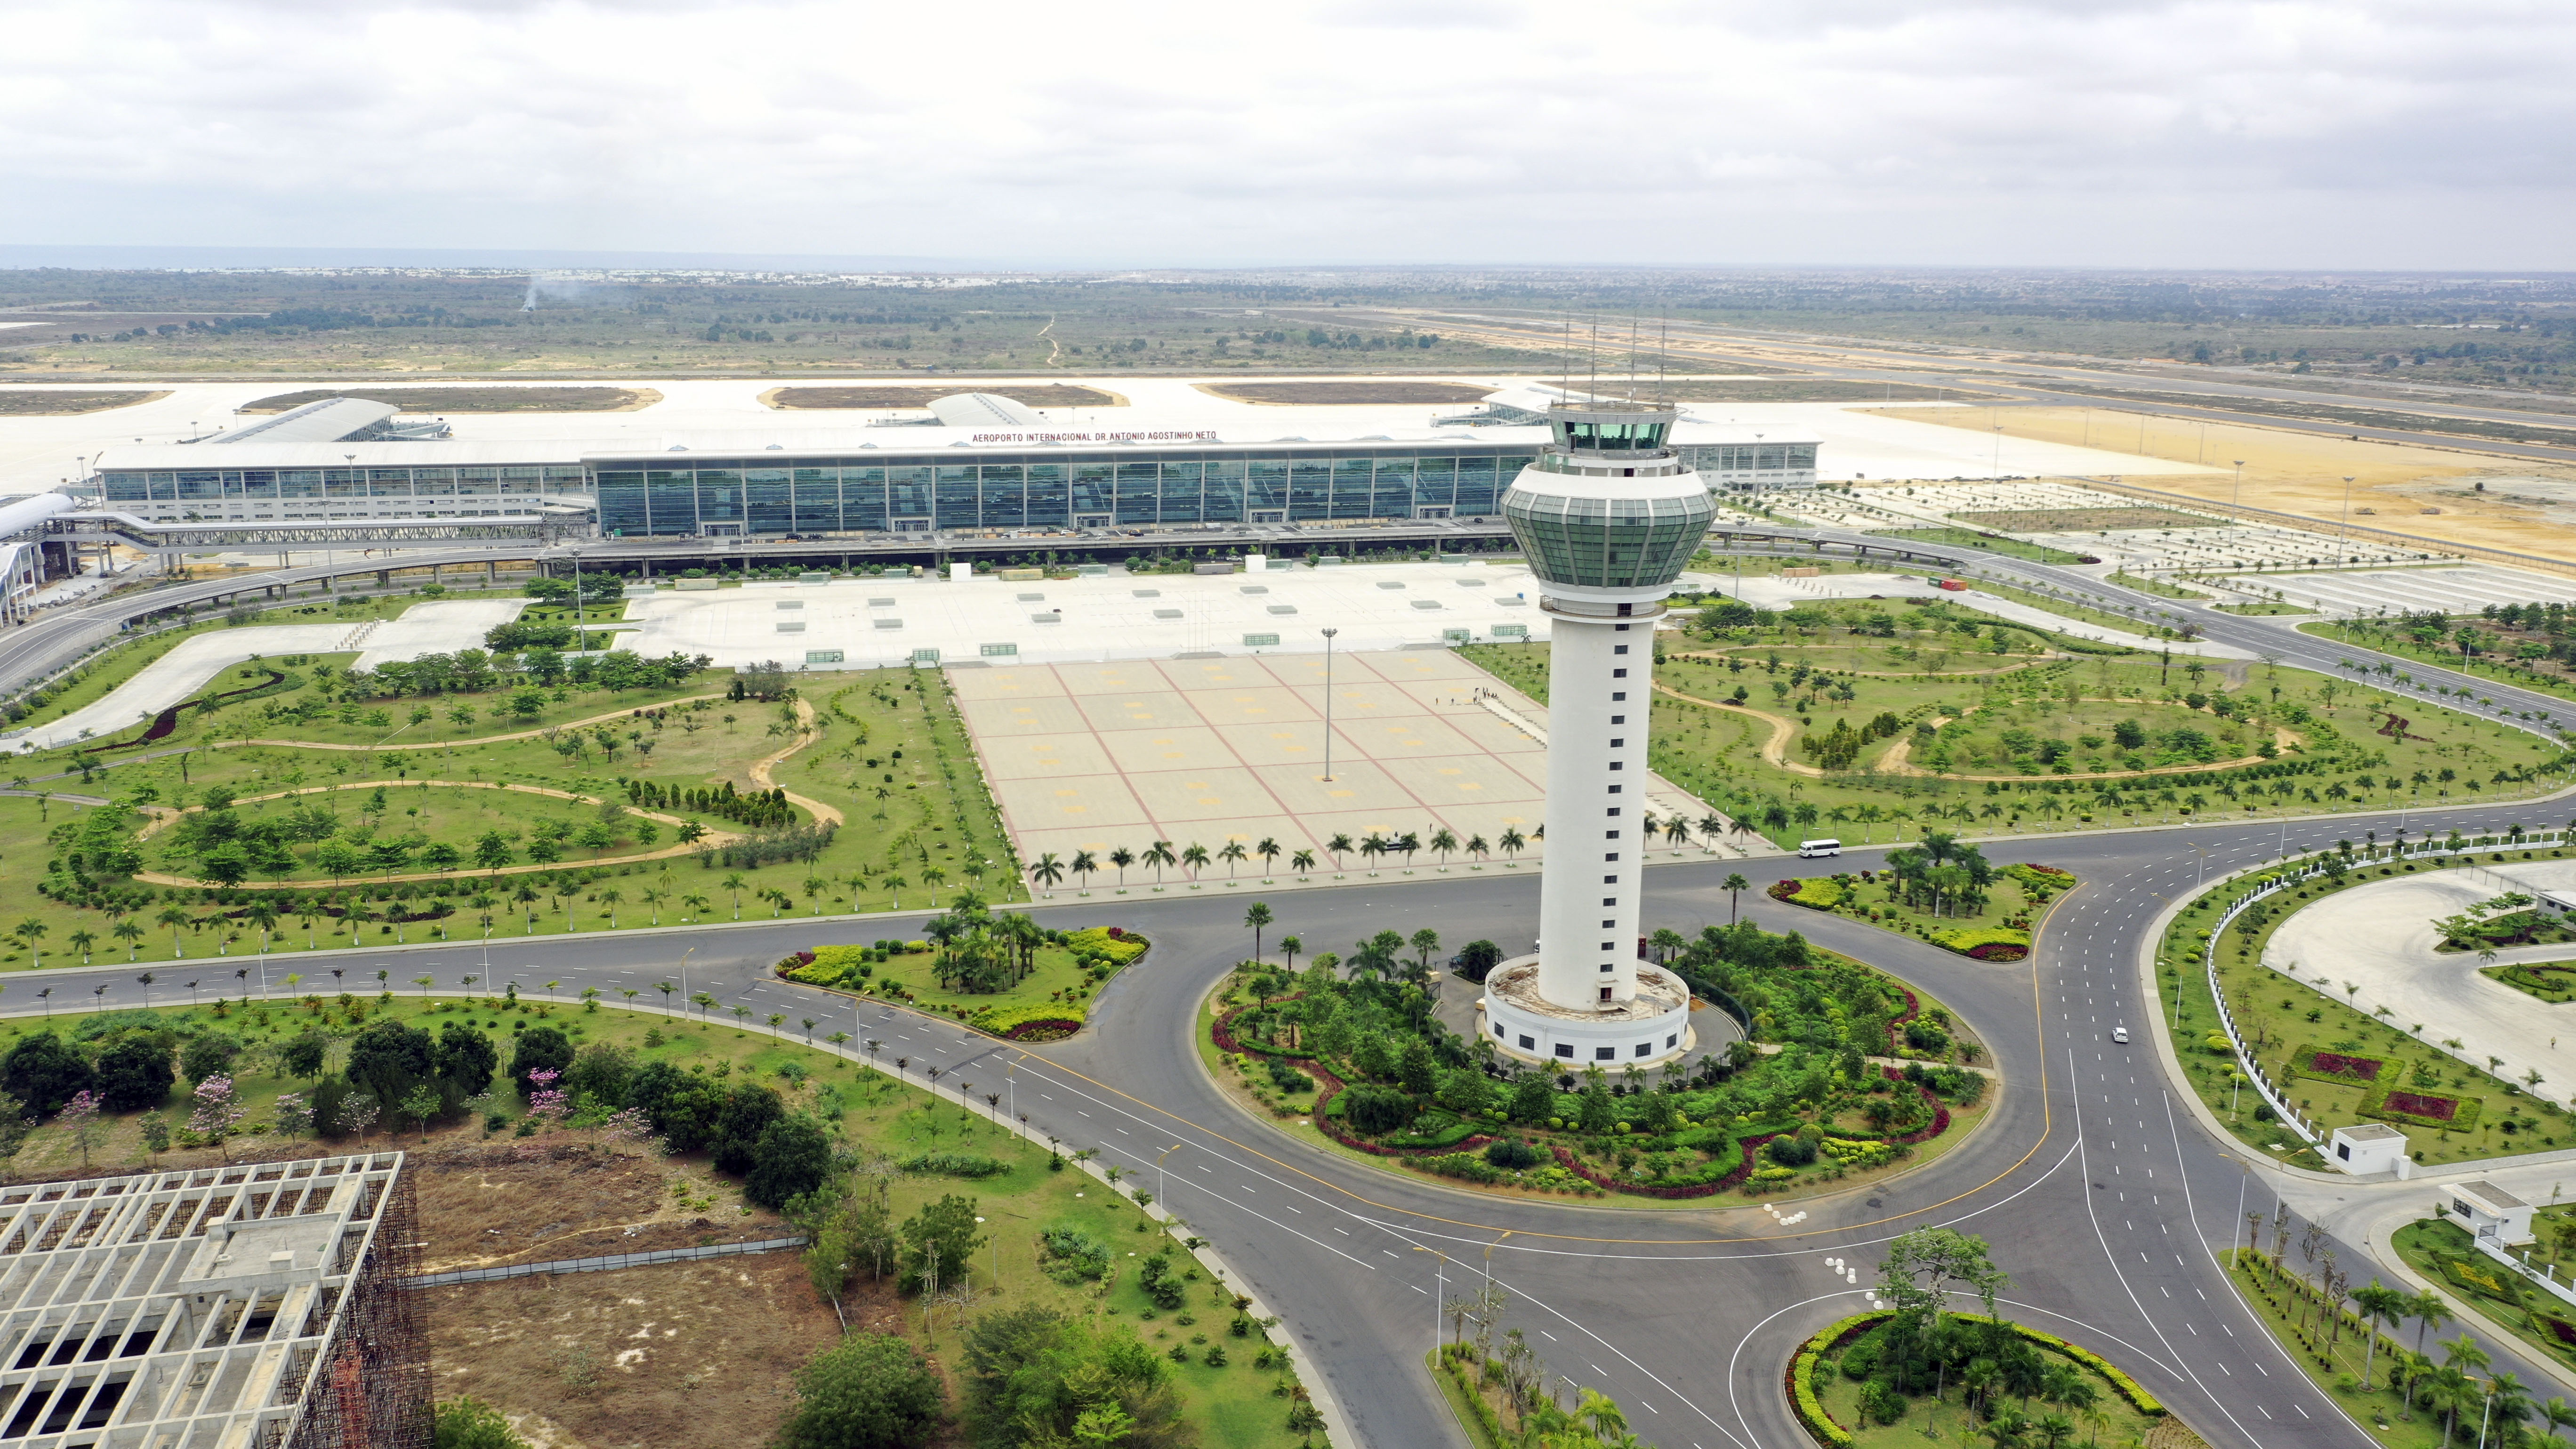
point(1607, 516)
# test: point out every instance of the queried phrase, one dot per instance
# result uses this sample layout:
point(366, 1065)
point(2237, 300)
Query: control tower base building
point(1607, 516)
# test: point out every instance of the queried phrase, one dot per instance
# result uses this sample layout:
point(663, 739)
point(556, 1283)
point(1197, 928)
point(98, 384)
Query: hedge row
point(1802, 1374)
point(1811, 1410)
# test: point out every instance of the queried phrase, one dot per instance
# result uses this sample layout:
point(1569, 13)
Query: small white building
point(2489, 1211)
point(2370, 1147)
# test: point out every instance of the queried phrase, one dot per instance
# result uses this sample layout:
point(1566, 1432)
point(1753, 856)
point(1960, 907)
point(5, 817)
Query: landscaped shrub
point(1985, 943)
point(1373, 1110)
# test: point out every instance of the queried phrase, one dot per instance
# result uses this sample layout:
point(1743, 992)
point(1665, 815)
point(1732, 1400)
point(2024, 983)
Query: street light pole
point(1159, 1194)
point(1439, 1298)
point(2347, 514)
point(2238, 491)
point(1328, 704)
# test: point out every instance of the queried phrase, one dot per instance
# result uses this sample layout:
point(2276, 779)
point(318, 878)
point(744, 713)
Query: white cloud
point(2333, 134)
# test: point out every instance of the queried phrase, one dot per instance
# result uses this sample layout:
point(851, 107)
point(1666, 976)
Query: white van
point(1812, 848)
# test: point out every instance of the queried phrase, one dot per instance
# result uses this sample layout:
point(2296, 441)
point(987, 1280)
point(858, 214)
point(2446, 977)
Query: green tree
point(942, 1234)
point(791, 1159)
point(869, 1391)
point(1254, 919)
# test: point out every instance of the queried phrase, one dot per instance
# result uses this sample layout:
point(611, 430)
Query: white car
point(2120, 1034)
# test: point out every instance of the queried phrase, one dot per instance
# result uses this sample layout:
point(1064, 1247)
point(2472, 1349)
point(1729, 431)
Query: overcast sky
point(2356, 133)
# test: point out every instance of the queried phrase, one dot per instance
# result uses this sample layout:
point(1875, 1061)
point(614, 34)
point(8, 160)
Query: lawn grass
point(2263, 610)
point(2281, 1301)
point(2441, 1250)
point(2532, 979)
point(1990, 542)
point(2149, 585)
point(2406, 646)
point(1723, 694)
point(2285, 1014)
point(1947, 1419)
point(889, 755)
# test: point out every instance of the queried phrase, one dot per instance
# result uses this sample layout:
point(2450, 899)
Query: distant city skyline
point(2365, 136)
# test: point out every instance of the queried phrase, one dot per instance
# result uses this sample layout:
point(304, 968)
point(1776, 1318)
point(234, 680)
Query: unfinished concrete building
point(251, 1306)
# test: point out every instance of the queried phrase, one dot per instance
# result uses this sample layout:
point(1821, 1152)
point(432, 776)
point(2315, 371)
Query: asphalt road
point(2101, 1194)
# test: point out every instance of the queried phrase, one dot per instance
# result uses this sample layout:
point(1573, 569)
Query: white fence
point(2273, 1097)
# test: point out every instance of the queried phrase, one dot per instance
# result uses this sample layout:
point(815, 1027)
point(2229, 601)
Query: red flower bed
point(1998, 951)
point(2562, 1330)
point(1751, 1146)
point(2047, 869)
point(1784, 890)
point(2355, 1069)
point(1051, 1029)
point(2438, 1109)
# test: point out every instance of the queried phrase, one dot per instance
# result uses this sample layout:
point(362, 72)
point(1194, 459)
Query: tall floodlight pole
point(1328, 704)
point(2347, 515)
point(2238, 492)
point(1606, 515)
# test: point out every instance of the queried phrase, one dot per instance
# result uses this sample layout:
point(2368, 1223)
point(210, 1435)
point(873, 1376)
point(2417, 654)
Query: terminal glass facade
point(316, 492)
point(667, 496)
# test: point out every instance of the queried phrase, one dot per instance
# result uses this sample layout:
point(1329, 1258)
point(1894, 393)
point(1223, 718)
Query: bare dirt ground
point(698, 1355)
point(1802, 389)
point(511, 1200)
point(2079, 520)
point(1036, 395)
point(475, 399)
point(63, 402)
point(2427, 493)
point(1344, 394)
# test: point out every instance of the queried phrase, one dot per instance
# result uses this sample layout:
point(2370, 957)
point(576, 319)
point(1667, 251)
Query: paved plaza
point(872, 622)
point(1095, 757)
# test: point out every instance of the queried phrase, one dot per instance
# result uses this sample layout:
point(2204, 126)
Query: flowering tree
point(547, 1103)
point(80, 1118)
point(218, 1111)
point(294, 1114)
point(632, 1125)
point(358, 1112)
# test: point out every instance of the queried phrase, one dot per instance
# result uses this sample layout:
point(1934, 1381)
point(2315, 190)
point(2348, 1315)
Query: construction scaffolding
point(250, 1306)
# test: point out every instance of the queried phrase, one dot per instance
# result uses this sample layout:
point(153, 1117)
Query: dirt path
point(806, 734)
point(163, 816)
point(1775, 751)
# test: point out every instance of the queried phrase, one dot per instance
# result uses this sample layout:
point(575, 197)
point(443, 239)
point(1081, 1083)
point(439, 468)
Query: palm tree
point(1511, 842)
point(1442, 842)
point(1253, 920)
point(610, 898)
point(735, 883)
point(1477, 846)
point(81, 941)
point(1269, 852)
point(694, 905)
point(653, 901)
point(1085, 864)
point(1196, 858)
point(933, 876)
point(894, 885)
point(1734, 885)
point(1048, 872)
point(1339, 846)
point(125, 930)
point(2557, 1414)
point(263, 914)
point(1302, 863)
point(174, 918)
point(1711, 826)
point(1122, 858)
point(1158, 855)
point(2429, 1312)
point(1233, 855)
point(2380, 1305)
point(30, 931)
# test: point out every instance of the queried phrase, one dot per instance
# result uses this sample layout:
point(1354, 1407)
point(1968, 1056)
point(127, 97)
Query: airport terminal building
point(877, 480)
